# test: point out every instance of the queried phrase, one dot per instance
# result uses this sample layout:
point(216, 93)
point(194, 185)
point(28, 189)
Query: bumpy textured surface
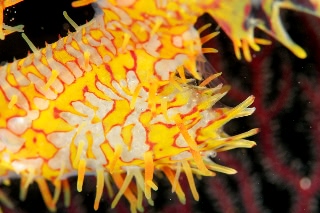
point(115, 105)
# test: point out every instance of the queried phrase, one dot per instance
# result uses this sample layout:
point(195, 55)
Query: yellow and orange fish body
point(107, 100)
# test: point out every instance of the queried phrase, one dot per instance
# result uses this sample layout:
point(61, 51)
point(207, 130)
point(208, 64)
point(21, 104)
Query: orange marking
point(45, 192)
point(209, 50)
point(199, 162)
point(182, 74)
point(236, 50)
point(208, 37)
point(184, 131)
point(209, 79)
point(86, 60)
point(262, 41)
point(115, 158)
point(126, 134)
point(81, 3)
point(81, 173)
point(246, 50)
point(100, 184)
point(148, 175)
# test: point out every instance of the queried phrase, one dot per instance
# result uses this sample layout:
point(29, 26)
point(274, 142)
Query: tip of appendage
point(299, 52)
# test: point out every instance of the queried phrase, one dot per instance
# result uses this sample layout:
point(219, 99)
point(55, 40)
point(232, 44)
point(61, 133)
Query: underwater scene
point(160, 106)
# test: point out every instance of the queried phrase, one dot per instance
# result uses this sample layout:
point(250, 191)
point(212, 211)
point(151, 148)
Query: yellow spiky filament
point(182, 125)
point(183, 115)
point(200, 129)
point(190, 127)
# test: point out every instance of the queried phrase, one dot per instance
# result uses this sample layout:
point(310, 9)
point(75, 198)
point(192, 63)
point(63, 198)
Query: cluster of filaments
point(201, 139)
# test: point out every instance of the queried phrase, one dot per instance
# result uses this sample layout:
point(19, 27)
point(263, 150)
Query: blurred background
point(280, 174)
